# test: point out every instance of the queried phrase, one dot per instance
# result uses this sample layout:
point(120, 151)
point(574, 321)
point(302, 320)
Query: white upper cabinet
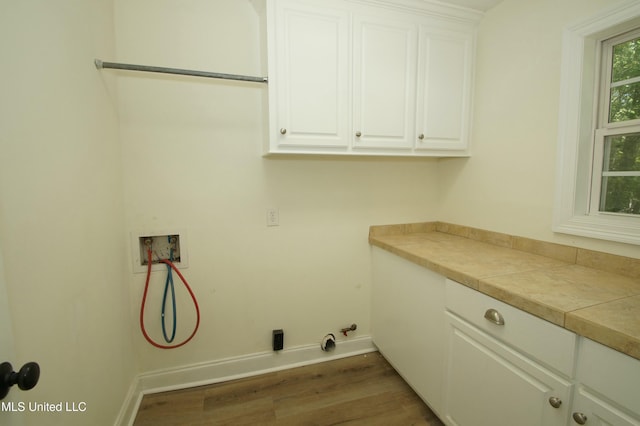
point(384, 88)
point(308, 77)
point(444, 88)
point(356, 78)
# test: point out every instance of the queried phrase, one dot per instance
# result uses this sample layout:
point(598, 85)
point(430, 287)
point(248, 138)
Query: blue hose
point(169, 283)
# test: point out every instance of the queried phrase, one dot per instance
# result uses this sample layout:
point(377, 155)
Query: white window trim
point(578, 111)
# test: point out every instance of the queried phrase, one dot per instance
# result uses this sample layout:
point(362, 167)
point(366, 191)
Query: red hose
point(144, 301)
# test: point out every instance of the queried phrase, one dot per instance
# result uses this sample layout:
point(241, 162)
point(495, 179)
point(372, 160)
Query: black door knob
point(26, 378)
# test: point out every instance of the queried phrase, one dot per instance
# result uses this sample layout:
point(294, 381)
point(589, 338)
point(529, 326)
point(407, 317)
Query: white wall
point(190, 157)
point(61, 208)
point(192, 152)
point(508, 184)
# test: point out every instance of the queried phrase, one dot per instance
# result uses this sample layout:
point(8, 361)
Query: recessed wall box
point(163, 245)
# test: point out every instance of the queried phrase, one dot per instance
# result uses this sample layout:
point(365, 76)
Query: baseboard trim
point(131, 403)
point(233, 368)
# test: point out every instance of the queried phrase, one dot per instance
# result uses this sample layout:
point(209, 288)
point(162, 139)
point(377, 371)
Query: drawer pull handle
point(555, 402)
point(580, 418)
point(494, 316)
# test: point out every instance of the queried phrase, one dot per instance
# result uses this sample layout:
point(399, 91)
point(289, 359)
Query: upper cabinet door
point(309, 102)
point(384, 86)
point(444, 89)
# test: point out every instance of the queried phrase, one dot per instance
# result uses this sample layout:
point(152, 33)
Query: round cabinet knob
point(579, 418)
point(26, 378)
point(283, 131)
point(421, 137)
point(555, 402)
point(358, 134)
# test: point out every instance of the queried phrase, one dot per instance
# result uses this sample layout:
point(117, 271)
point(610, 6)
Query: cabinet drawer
point(540, 339)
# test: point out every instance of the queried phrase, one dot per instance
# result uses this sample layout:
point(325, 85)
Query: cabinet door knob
point(421, 137)
point(358, 134)
point(555, 402)
point(283, 131)
point(580, 418)
point(26, 378)
point(494, 316)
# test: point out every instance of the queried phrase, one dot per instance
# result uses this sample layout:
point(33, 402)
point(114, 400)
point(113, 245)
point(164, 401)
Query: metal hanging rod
point(118, 66)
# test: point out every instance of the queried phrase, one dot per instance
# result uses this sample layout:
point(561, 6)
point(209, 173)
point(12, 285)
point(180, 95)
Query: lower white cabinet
point(490, 384)
point(408, 322)
point(589, 409)
point(477, 361)
point(608, 391)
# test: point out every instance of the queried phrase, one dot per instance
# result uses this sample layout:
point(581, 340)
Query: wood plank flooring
point(359, 390)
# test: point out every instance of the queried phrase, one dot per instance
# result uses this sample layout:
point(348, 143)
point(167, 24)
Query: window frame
point(604, 127)
point(577, 129)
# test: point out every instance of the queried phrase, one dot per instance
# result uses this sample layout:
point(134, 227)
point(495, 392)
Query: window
point(598, 189)
point(615, 186)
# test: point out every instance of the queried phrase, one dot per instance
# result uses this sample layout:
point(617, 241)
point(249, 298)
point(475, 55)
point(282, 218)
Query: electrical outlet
point(273, 218)
point(278, 339)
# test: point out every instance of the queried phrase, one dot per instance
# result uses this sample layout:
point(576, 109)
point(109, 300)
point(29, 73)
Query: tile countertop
point(593, 294)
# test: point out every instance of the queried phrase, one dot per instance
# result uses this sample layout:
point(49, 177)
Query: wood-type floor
point(359, 390)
